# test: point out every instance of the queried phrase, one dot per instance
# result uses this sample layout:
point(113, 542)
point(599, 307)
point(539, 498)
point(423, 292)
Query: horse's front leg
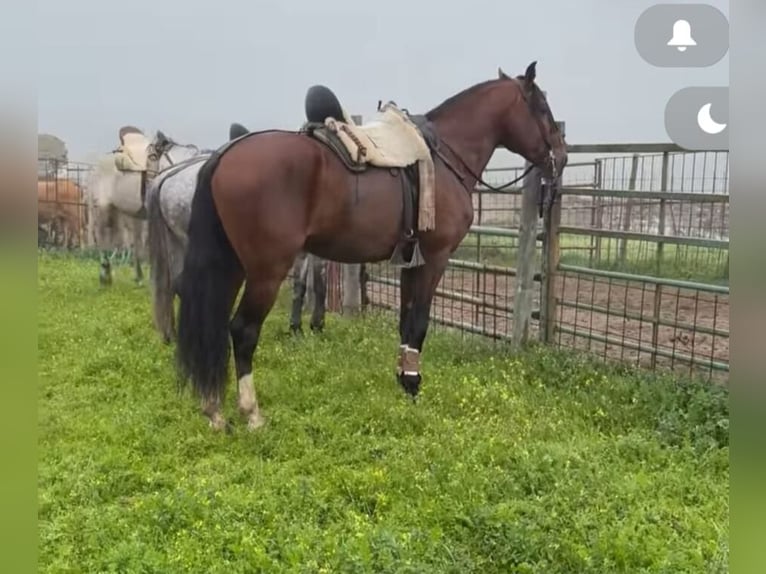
point(137, 244)
point(418, 286)
point(105, 269)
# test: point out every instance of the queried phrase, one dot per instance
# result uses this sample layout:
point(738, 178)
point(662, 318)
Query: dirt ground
point(610, 318)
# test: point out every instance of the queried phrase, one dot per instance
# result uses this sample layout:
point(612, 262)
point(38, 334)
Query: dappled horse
point(168, 206)
point(117, 187)
point(344, 193)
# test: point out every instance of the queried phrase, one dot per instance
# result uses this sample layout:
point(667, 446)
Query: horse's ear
point(531, 73)
point(502, 75)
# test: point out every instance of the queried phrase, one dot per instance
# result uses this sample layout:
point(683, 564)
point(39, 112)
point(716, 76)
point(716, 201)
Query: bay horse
point(276, 193)
point(168, 204)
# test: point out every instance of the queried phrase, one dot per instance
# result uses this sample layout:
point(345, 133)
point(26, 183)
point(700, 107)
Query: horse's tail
point(159, 264)
point(207, 289)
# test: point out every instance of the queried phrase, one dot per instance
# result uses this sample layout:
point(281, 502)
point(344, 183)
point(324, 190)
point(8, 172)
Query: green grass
point(542, 462)
point(690, 263)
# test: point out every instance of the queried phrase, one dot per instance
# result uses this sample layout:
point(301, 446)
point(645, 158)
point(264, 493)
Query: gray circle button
point(697, 118)
point(682, 35)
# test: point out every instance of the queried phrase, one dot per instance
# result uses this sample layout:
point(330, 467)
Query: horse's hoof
point(255, 421)
point(410, 384)
point(218, 424)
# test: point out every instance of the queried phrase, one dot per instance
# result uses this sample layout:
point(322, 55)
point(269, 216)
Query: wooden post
point(525, 268)
point(351, 273)
point(549, 265)
point(310, 298)
point(657, 303)
point(623, 248)
point(334, 287)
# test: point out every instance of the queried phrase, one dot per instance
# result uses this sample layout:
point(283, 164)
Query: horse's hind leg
point(260, 293)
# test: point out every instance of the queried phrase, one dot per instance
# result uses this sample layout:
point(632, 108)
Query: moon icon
point(706, 123)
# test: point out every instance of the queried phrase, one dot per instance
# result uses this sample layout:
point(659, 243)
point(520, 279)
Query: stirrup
point(397, 257)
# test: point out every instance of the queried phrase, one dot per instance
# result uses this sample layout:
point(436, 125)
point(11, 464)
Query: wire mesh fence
point(641, 277)
point(642, 272)
point(474, 295)
point(62, 215)
point(62, 212)
point(650, 322)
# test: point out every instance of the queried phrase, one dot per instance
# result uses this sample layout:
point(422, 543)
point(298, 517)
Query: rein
point(478, 178)
point(548, 195)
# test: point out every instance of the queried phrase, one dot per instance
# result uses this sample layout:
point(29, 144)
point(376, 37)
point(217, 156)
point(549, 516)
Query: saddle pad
point(392, 140)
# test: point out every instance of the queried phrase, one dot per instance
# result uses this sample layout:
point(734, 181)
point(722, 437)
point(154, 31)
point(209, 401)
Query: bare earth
point(625, 333)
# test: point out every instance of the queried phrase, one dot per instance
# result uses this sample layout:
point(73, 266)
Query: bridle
point(551, 159)
point(157, 151)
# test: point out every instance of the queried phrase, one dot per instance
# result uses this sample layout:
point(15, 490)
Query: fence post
point(657, 303)
point(351, 274)
point(334, 287)
point(597, 215)
point(525, 267)
point(477, 275)
point(549, 264)
point(622, 251)
point(661, 218)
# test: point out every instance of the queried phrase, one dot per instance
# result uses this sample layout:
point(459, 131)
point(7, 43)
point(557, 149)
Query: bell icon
point(682, 36)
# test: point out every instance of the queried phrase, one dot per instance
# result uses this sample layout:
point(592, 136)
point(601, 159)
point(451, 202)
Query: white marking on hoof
point(255, 421)
point(217, 422)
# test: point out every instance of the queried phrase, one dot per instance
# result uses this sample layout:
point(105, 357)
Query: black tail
point(207, 289)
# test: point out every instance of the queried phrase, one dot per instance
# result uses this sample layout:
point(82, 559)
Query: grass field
point(541, 462)
point(684, 262)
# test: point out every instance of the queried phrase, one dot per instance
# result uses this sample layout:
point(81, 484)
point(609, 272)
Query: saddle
point(395, 141)
point(131, 158)
point(133, 151)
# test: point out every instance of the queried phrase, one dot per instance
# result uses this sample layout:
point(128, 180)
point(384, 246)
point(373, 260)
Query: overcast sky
point(191, 67)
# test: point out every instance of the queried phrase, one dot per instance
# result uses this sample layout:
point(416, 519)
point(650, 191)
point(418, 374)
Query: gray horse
point(168, 200)
point(114, 193)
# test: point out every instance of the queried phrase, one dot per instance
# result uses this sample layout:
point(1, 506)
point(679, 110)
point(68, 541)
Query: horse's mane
point(448, 103)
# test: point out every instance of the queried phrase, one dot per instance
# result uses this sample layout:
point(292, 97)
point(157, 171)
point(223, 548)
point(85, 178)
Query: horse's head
point(164, 152)
point(530, 129)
